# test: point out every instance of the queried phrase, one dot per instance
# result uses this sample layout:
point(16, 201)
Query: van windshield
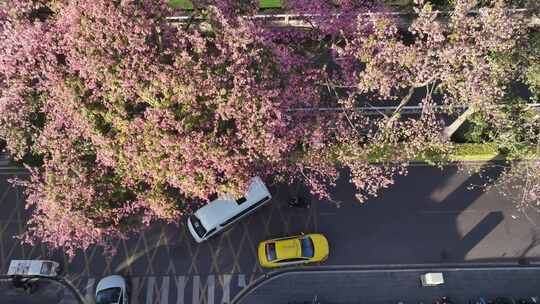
point(197, 225)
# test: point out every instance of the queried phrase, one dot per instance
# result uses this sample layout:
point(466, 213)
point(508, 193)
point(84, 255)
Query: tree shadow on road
point(429, 216)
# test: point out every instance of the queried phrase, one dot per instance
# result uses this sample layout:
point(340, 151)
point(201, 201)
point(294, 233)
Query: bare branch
point(404, 101)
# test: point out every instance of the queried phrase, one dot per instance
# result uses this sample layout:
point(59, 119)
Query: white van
point(222, 212)
point(44, 268)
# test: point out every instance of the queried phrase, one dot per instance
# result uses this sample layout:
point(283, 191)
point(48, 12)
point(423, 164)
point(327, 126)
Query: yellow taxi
point(294, 250)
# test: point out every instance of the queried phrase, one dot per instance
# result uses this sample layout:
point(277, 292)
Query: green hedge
point(460, 152)
point(182, 4)
point(475, 152)
point(482, 152)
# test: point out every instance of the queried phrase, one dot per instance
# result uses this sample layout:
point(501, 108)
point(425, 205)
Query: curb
point(453, 163)
point(270, 276)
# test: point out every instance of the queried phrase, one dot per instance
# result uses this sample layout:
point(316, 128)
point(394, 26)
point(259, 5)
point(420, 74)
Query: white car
point(112, 290)
point(34, 267)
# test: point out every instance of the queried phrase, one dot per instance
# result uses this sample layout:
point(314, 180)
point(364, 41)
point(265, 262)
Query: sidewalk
point(392, 285)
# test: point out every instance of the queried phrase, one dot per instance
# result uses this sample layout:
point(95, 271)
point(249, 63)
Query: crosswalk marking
point(165, 290)
point(89, 290)
point(162, 291)
point(180, 289)
point(242, 280)
point(175, 289)
point(226, 298)
point(198, 290)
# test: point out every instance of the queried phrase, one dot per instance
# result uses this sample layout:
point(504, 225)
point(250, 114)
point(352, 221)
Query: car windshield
point(108, 296)
point(46, 268)
point(196, 223)
point(307, 247)
point(271, 251)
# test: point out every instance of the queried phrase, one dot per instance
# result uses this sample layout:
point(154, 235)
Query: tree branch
point(404, 101)
point(197, 11)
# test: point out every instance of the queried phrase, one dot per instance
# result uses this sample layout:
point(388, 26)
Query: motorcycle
point(298, 202)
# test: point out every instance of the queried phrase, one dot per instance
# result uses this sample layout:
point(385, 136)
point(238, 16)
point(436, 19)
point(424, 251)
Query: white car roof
point(111, 282)
point(223, 208)
point(33, 267)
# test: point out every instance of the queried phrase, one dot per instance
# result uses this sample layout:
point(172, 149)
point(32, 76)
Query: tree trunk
point(534, 22)
point(452, 128)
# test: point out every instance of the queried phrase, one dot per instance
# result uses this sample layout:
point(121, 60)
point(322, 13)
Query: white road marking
point(428, 212)
point(152, 288)
point(158, 289)
point(226, 288)
point(242, 280)
point(181, 283)
point(89, 290)
point(198, 290)
point(165, 290)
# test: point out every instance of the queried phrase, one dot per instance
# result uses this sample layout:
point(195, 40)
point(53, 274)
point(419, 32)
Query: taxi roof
point(288, 249)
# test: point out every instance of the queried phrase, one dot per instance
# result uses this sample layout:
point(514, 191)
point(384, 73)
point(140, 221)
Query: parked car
point(112, 290)
point(295, 250)
point(224, 211)
point(34, 267)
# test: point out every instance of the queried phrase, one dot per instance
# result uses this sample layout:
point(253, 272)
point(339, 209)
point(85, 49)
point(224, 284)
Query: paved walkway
point(384, 286)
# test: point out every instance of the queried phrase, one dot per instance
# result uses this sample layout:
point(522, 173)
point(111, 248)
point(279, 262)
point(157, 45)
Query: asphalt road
point(44, 291)
point(383, 286)
point(429, 216)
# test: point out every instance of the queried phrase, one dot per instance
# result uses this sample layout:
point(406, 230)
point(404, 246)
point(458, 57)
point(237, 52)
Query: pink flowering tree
point(27, 60)
point(464, 58)
point(132, 119)
point(516, 132)
point(471, 60)
point(520, 179)
point(374, 149)
point(137, 119)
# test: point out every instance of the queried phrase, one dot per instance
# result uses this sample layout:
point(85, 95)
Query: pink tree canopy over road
point(130, 119)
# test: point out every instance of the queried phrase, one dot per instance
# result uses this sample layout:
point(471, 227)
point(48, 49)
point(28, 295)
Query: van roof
point(215, 212)
point(221, 209)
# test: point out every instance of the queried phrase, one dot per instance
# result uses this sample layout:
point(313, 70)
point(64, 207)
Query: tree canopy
point(125, 118)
